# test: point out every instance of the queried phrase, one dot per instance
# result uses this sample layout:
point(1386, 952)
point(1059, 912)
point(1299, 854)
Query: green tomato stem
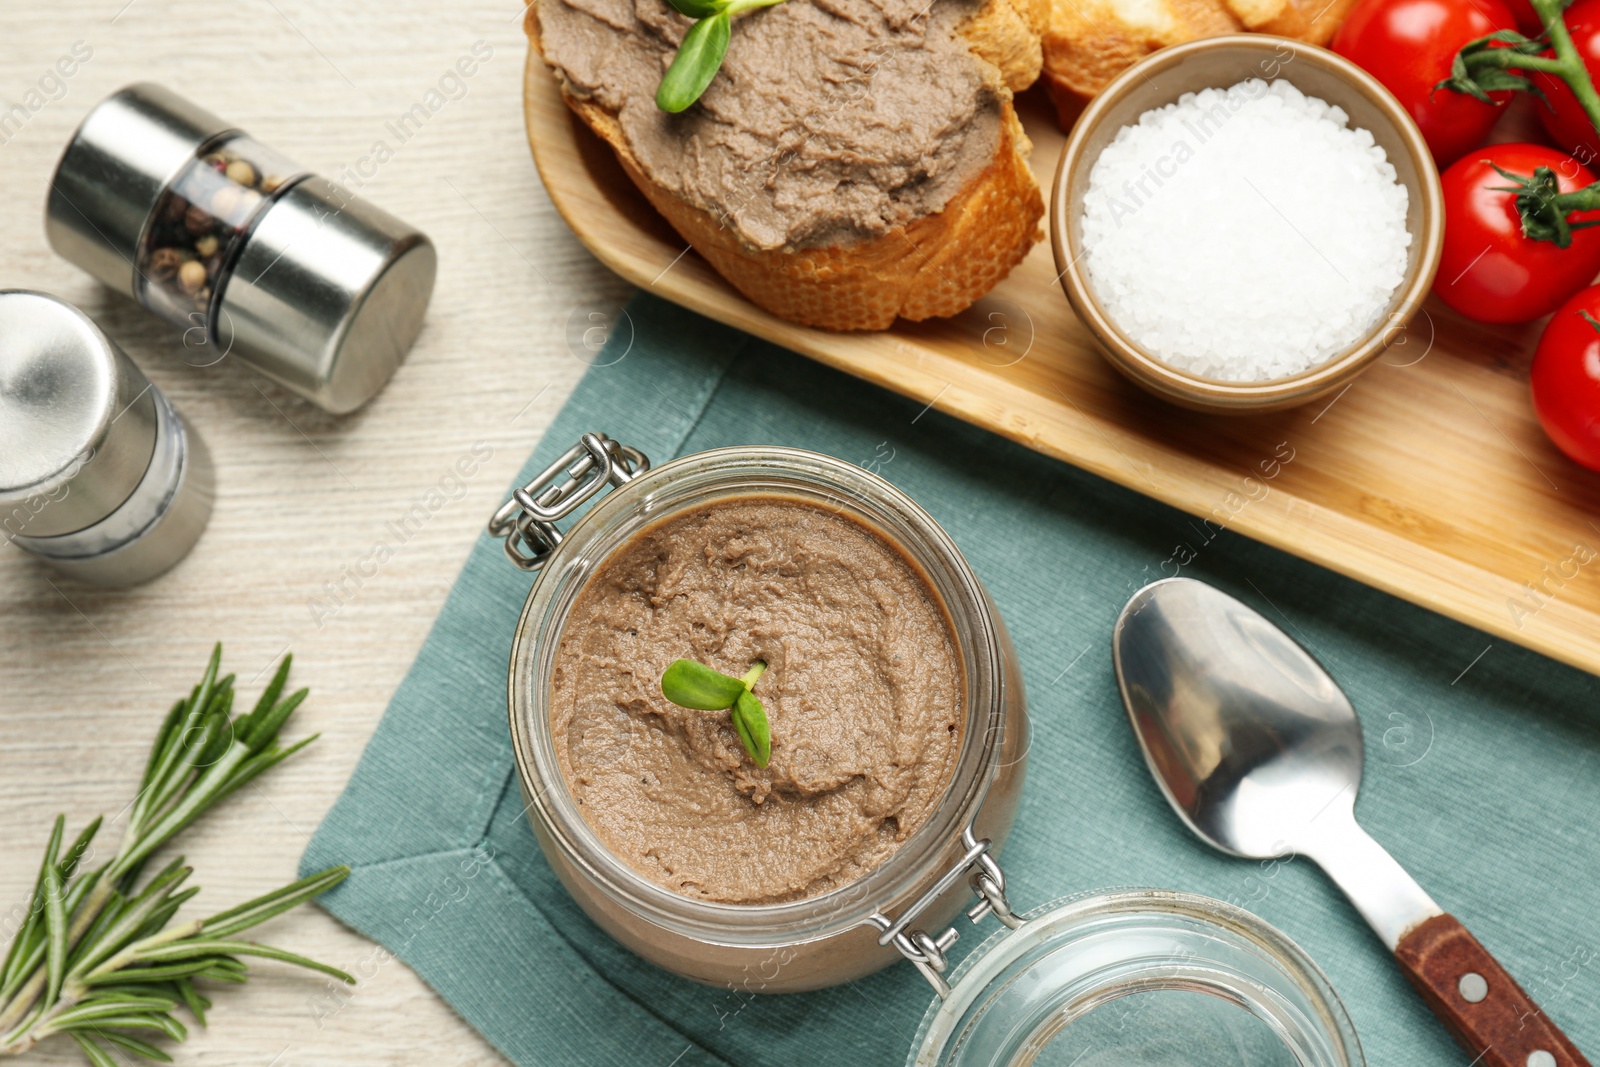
point(1571, 66)
point(1521, 54)
point(752, 675)
point(1544, 209)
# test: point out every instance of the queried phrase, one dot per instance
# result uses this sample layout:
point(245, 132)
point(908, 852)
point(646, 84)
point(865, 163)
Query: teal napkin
point(1481, 775)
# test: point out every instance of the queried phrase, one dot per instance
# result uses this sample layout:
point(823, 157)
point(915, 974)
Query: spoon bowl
point(1250, 739)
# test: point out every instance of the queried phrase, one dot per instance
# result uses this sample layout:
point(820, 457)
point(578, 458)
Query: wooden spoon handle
point(1479, 1003)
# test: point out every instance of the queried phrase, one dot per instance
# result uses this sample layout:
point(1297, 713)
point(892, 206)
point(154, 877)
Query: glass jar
point(818, 941)
point(1125, 978)
point(1138, 978)
point(244, 251)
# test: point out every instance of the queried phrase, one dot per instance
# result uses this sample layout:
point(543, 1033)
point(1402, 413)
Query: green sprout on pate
point(694, 685)
point(701, 53)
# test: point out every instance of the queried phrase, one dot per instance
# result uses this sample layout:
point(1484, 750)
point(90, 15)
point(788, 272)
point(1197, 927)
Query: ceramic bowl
point(1219, 62)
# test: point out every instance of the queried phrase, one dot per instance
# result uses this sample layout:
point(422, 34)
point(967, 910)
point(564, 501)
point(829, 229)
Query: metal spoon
point(1260, 752)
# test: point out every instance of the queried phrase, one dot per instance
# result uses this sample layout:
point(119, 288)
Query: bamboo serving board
point(1429, 477)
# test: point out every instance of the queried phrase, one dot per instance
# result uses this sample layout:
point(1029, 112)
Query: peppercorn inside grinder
point(100, 476)
point(252, 256)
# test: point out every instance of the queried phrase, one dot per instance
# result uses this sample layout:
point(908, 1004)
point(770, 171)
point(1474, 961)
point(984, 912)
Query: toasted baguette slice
point(1309, 20)
point(935, 265)
point(1090, 42)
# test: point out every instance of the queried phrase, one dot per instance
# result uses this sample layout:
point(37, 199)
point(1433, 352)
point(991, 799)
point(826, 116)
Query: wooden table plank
point(84, 676)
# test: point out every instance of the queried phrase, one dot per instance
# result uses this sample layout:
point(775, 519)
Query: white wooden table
point(85, 676)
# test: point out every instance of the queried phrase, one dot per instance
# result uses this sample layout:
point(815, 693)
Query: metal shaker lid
point(113, 172)
point(327, 295)
point(77, 419)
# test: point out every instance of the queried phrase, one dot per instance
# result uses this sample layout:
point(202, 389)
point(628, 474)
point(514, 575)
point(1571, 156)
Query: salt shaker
point(99, 475)
point(253, 256)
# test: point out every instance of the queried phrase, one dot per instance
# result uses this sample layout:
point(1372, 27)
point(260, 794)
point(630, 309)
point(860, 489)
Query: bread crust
point(935, 266)
point(1089, 42)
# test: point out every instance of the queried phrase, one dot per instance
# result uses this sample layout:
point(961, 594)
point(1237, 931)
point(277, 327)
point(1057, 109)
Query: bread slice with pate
point(853, 161)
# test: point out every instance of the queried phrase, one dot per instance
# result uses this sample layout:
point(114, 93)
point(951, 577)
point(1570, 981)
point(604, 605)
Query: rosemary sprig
point(694, 685)
point(95, 956)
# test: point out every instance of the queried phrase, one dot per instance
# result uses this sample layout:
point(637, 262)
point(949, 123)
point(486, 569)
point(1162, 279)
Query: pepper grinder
point(241, 248)
point(100, 476)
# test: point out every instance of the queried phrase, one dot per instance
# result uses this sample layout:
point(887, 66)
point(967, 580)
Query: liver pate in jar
point(897, 719)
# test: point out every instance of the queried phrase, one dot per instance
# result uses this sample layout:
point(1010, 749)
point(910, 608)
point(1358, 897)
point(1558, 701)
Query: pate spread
point(829, 121)
point(863, 690)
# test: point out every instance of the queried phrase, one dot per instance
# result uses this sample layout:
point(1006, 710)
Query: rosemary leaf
point(159, 1021)
point(20, 944)
point(196, 1003)
point(55, 916)
point(163, 736)
point(224, 974)
point(83, 888)
point(75, 854)
point(97, 1055)
point(134, 989)
point(208, 679)
point(189, 948)
point(169, 769)
point(274, 689)
point(113, 1003)
point(135, 1046)
point(163, 915)
point(259, 910)
point(28, 960)
point(109, 1007)
point(132, 977)
point(30, 942)
point(115, 905)
point(264, 727)
point(262, 762)
point(218, 734)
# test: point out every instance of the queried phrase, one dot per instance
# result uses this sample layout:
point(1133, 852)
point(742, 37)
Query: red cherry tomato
point(1566, 378)
point(1408, 45)
point(1488, 270)
point(1527, 18)
point(1563, 117)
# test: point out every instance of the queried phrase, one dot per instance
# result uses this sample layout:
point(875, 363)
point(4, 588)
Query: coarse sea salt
point(1245, 233)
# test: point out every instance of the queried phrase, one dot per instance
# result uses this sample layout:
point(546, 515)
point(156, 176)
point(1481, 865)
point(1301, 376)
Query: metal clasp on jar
point(528, 520)
point(930, 953)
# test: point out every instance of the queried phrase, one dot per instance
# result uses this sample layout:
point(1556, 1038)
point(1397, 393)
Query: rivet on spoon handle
point(1484, 1009)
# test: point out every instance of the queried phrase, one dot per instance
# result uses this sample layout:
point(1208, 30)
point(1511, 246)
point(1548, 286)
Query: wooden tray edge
point(1330, 539)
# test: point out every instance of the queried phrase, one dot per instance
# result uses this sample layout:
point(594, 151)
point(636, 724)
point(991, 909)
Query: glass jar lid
point(1138, 978)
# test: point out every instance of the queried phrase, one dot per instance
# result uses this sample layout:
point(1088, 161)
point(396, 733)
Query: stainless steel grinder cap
point(99, 475)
